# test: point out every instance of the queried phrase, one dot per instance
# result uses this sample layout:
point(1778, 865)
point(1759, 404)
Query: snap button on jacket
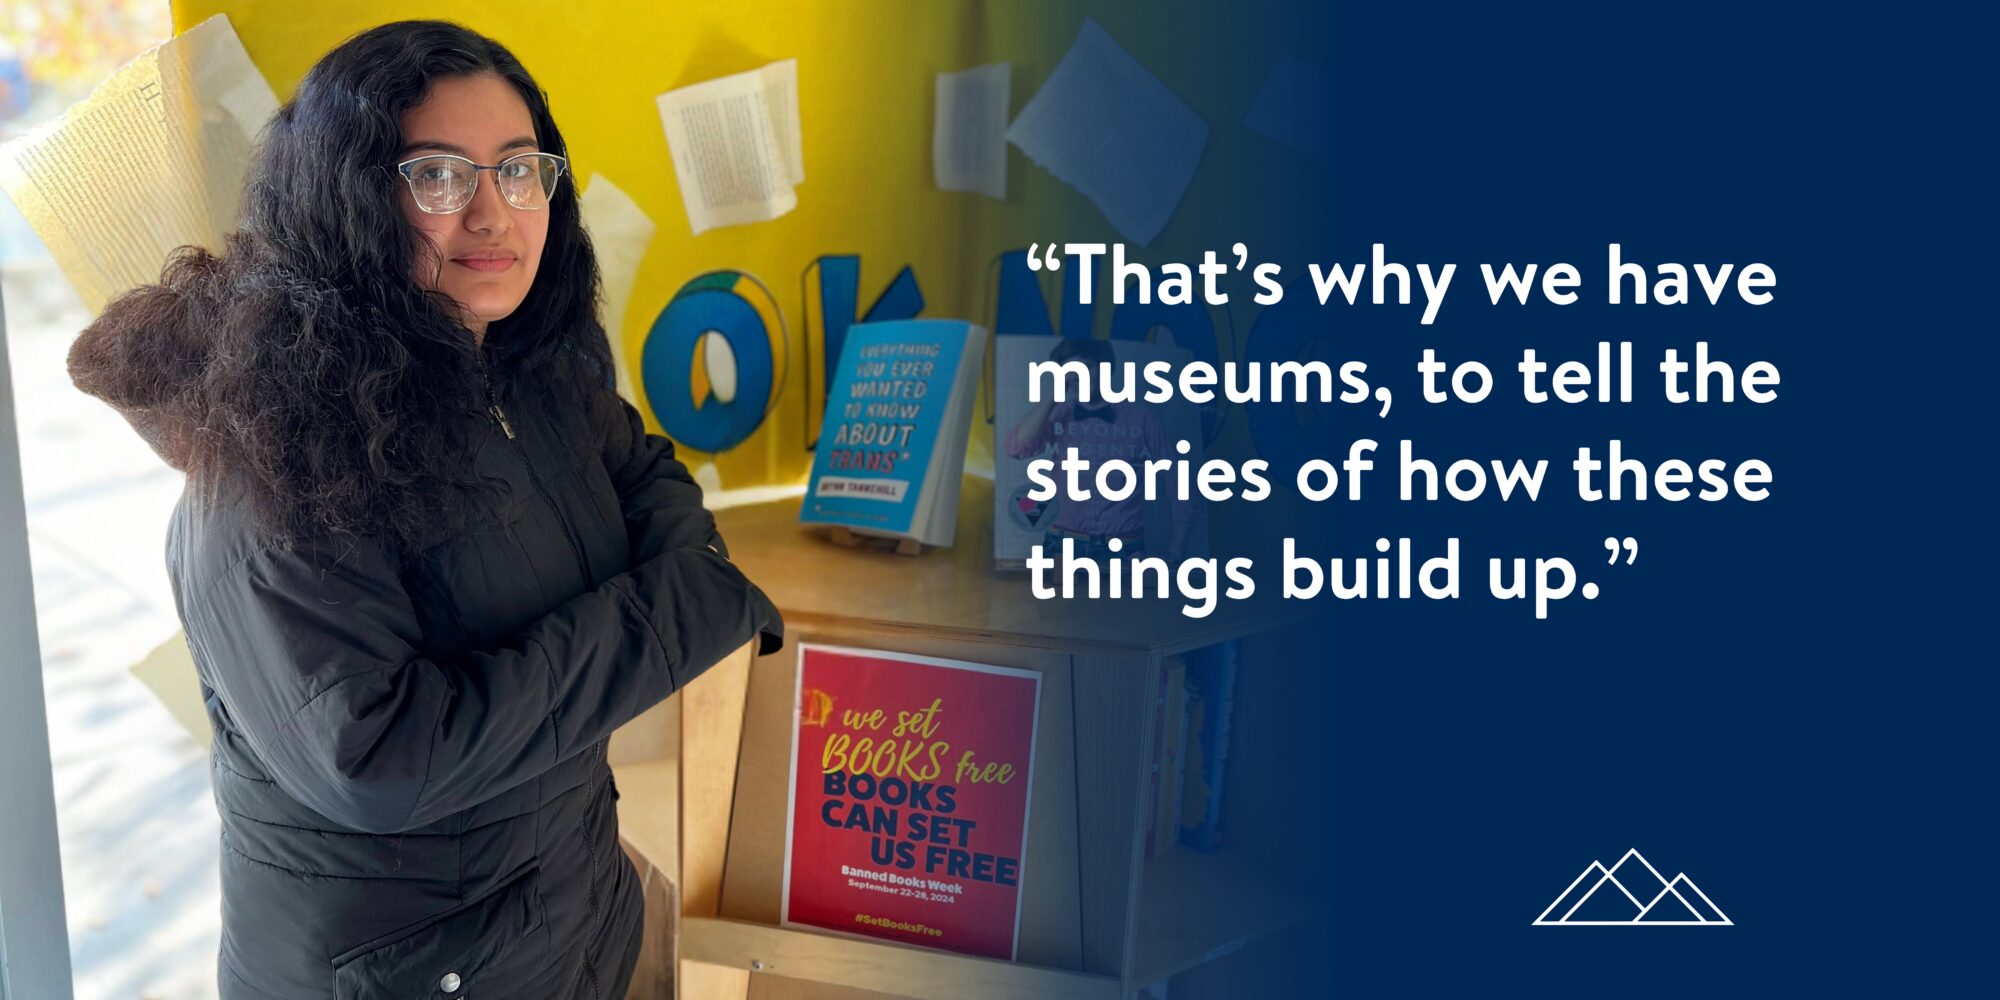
point(409, 745)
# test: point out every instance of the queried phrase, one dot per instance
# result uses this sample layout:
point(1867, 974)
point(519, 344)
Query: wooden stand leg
point(844, 536)
point(700, 981)
point(711, 737)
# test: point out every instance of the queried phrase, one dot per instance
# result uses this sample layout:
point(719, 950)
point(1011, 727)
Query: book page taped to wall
point(169, 672)
point(736, 146)
point(619, 232)
point(153, 159)
point(1105, 125)
point(969, 137)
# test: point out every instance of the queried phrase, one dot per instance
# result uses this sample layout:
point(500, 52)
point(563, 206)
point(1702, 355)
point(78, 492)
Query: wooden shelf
point(1195, 906)
point(954, 593)
point(704, 779)
point(862, 963)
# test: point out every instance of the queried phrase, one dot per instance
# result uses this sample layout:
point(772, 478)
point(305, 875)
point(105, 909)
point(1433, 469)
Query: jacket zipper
point(500, 416)
point(493, 401)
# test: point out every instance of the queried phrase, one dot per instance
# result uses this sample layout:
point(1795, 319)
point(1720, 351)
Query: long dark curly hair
point(305, 360)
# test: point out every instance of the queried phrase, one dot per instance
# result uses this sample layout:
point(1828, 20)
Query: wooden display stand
point(703, 784)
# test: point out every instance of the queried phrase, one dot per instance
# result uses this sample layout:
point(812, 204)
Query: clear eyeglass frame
point(444, 183)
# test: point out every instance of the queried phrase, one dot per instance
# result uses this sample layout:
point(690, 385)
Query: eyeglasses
point(442, 183)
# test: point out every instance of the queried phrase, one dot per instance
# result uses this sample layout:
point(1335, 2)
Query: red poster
point(909, 808)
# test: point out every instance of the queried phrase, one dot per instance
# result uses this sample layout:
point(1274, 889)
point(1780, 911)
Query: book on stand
point(1134, 432)
point(892, 447)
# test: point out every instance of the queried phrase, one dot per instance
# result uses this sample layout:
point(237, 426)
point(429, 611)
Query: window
point(136, 898)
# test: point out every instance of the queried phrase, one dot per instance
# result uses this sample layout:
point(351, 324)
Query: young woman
point(427, 559)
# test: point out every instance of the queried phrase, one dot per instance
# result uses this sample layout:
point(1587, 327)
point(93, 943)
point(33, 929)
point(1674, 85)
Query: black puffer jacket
point(409, 746)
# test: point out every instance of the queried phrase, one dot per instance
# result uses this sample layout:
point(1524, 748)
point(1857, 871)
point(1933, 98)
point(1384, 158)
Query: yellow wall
point(866, 78)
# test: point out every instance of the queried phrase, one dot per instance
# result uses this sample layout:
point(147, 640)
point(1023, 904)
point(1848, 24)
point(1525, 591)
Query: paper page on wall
point(1108, 127)
point(1291, 107)
point(153, 159)
point(619, 231)
point(736, 145)
point(969, 140)
point(169, 672)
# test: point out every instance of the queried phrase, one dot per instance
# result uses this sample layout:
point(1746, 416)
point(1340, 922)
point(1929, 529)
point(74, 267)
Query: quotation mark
point(1047, 259)
point(1628, 544)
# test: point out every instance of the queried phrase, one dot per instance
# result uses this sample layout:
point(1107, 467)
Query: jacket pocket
point(480, 948)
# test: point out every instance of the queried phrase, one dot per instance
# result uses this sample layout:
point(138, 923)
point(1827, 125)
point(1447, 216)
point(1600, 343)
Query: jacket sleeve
point(661, 501)
point(315, 653)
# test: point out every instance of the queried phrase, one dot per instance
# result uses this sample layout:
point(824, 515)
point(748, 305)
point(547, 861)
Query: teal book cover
point(893, 442)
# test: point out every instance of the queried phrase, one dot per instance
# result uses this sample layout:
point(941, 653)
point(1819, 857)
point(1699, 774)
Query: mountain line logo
point(1632, 893)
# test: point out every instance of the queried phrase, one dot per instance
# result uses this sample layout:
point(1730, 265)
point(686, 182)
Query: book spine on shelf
point(1179, 769)
point(1212, 680)
point(1154, 757)
point(1173, 782)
